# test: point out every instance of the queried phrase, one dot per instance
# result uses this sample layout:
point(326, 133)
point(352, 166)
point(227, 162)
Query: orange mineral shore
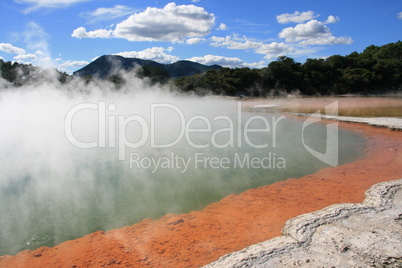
point(237, 221)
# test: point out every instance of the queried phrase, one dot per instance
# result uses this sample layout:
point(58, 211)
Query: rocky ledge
point(368, 234)
point(393, 123)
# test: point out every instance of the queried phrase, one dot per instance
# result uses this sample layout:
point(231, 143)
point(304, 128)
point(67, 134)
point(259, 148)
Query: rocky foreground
point(368, 234)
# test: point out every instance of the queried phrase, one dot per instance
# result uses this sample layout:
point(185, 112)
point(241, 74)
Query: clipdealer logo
point(111, 133)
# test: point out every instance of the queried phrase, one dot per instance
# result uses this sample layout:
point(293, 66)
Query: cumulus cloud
point(332, 19)
point(297, 17)
point(270, 50)
point(233, 42)
point(219, 60)
point(260, 64)
point(24, 57)
point(171, 23)
point(6, 47)
point(225, 61)
point(103, 13)
point(73, 64)
point(82, 32)
point(400, 15)
point(38, 4)
point(328, 40)
point(157, 54)
point(274, 50)
point(222, 27)
point(195, 40)
point(311, 29)
point(312, 33)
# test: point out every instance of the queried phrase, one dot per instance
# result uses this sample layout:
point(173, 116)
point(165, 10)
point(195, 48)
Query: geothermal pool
point(147, 153)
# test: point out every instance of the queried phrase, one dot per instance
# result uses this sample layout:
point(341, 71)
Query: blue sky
point(67, 34)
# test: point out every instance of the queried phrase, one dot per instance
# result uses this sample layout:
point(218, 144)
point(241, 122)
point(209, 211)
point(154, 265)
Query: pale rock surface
point(344, 235)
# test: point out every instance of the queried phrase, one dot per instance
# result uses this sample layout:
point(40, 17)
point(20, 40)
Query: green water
point(88, 190)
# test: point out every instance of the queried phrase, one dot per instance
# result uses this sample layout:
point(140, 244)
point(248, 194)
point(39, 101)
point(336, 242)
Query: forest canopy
point(374, 71)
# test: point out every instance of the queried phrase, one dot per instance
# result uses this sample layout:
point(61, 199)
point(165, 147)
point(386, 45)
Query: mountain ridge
point(108, 65)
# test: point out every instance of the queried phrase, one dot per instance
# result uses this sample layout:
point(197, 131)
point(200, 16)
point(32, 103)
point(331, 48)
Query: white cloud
point(400, 15)
point(274, 50)
point(270, 50)
point(233, 43)
point(73, 64)
point(157, 54)
point(24, 57)
point(328, 40)
point(332, 19)
point(297, 17)
point(226, 61)
point(6, 47)
point(103, 13)
point(70, 66)
point(38, 4)
point(222, 27)
point(312, 33)
point(311, 29)
point(172, 23)
point(81, 32)
point(195, 40)
point(259, 65)
point(219, 60)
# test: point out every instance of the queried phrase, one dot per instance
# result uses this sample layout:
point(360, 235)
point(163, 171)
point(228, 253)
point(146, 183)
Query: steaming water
point(52, 191)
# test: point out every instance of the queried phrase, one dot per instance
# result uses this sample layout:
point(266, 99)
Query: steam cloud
point(52, 191)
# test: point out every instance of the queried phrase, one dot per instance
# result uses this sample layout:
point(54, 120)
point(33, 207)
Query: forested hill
point(376, 70)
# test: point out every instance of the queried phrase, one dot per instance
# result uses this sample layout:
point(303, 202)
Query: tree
point(155, 74)
point(285, 74)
